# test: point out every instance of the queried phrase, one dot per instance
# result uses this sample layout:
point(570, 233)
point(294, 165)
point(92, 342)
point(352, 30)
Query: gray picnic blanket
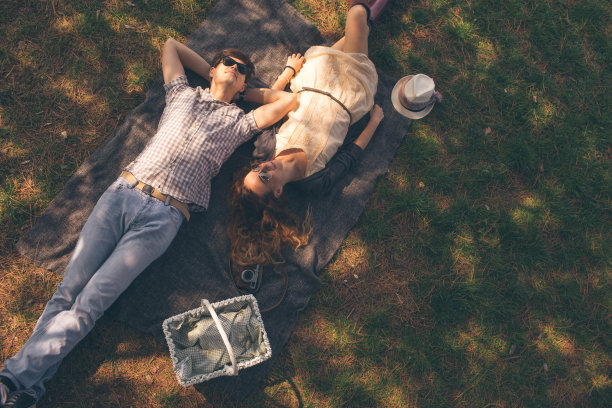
point(196, 264)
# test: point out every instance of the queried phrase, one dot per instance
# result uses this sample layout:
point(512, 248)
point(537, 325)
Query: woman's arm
point(321, 182)
point(177, 56)
point(295, 61)
point(376, 115)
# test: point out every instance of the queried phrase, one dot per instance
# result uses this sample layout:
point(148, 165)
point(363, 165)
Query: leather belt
point(153, 192)
point(333, 98)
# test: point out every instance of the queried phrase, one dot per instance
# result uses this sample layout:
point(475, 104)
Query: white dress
point(319, 124)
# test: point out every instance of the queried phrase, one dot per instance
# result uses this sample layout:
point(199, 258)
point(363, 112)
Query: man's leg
point(97, 240)
point(148, 228)
point(99, 236)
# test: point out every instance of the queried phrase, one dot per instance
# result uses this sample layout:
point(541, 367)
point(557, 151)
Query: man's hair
point(236, 53)
point(259, 227)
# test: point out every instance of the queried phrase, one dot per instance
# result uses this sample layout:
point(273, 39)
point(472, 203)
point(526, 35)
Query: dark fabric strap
point(418, 107)
point(331, 96)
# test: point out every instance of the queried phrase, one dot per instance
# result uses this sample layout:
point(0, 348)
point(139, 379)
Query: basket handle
point(228, 346)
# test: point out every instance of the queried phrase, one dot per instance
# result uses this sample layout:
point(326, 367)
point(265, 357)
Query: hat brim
point(400, 108)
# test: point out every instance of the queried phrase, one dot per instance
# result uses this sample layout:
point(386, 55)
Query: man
point(140, 213)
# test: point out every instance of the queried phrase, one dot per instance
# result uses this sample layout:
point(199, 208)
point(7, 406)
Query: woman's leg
point(339, 45)
point(356, 31)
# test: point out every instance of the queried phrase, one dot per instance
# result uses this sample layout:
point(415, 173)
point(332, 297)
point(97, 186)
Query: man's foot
point(6, 387)
point(21, 399)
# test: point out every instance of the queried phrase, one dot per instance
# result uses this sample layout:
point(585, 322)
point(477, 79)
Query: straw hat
point(414, 96)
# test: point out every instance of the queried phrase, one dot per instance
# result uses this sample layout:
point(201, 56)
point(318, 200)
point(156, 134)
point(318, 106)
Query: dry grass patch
point(25, 290)
point(327, 15)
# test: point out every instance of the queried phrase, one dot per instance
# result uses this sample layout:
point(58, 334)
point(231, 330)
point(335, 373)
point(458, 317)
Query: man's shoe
point(21, 399)
point(6, 387)
point(374, 8)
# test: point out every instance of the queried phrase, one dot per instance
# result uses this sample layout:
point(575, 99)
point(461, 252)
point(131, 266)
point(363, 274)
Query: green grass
point(479, 273)
point(494, 221)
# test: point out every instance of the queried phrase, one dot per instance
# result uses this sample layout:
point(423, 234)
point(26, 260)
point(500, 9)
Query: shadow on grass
point(278, 389)
point(118, 366)
point(498, 203)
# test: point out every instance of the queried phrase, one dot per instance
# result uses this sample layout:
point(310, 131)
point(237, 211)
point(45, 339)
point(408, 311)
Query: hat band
point(418, 107)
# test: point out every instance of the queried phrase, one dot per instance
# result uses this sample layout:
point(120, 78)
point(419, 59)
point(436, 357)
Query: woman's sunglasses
point(242, 68)
point(263, 176)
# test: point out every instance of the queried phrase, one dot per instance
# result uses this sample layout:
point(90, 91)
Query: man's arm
point(177, 56)
point(276, 104)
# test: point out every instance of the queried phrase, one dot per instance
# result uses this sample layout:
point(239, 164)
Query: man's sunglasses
point(263, 176)
point(242, 68)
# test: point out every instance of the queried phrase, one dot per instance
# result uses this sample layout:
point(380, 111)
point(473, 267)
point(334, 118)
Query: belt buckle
point(148, 189)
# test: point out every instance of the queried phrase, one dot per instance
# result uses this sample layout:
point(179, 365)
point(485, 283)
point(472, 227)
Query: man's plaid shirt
point(195, 135)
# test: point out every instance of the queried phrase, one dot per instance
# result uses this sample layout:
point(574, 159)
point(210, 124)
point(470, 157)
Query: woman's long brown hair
point(260, 227)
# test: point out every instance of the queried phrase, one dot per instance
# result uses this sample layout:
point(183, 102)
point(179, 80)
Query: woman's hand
point(376, 114)
point(296, 61)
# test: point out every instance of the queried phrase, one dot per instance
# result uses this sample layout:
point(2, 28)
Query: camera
point(250, 276)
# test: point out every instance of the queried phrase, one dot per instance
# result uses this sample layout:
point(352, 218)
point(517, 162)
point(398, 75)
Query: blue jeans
point(126, 231)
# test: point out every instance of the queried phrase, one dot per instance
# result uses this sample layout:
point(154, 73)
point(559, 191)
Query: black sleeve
point(265, 143)
point(321, 182)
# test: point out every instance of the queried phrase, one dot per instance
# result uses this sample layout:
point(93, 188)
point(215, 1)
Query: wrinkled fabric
point(319, 124)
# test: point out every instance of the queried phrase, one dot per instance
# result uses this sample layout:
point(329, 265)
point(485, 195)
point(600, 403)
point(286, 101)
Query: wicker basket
point(216, 339)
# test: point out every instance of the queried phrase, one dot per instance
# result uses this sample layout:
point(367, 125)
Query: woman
point(336, 87)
